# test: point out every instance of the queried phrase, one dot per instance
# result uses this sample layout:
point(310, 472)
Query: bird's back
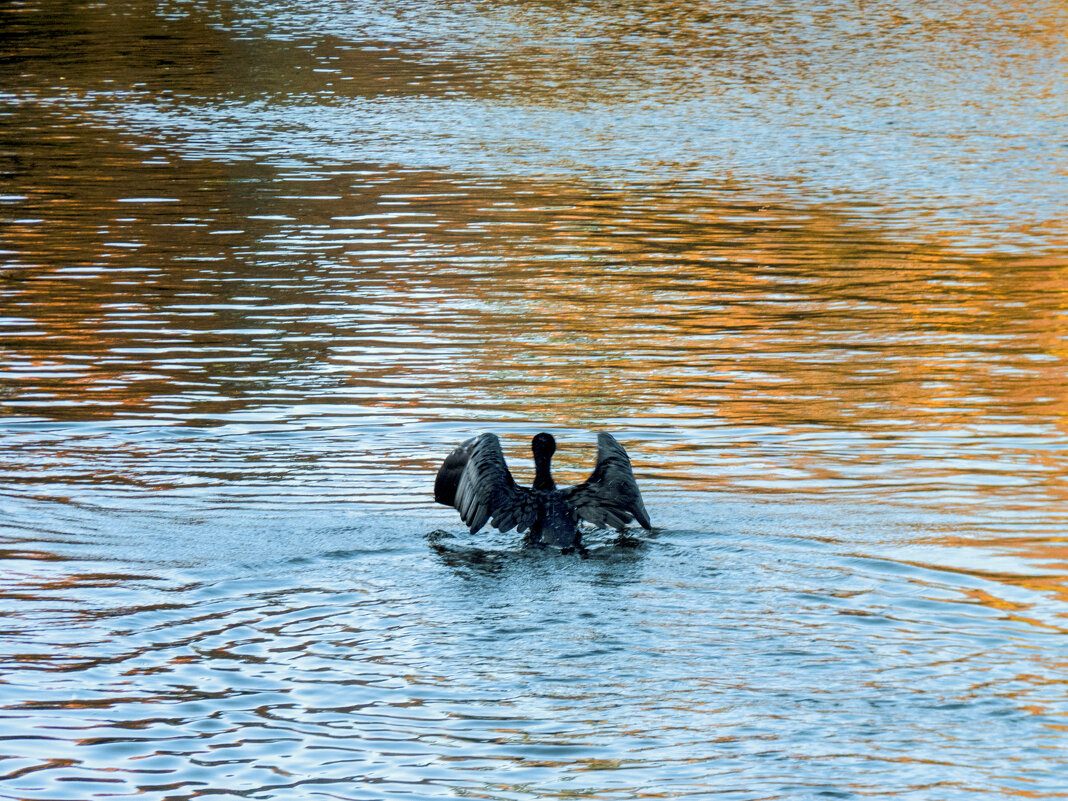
point(558, 524)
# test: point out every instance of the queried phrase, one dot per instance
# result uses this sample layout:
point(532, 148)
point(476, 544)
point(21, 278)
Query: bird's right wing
point(610, 496)
point(476, 480)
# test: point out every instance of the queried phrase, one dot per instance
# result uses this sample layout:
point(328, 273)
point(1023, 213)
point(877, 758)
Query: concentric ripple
point(262, 266)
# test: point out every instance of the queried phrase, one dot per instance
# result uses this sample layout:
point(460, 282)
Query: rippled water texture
point(263, 265)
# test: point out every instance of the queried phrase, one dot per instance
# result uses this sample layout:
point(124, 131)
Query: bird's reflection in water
point(459, 554)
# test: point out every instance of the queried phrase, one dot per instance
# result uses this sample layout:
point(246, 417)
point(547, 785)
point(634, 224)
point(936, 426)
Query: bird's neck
point(543, 479)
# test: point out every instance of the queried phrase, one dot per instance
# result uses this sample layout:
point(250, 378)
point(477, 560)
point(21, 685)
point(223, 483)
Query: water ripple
point(806, 264)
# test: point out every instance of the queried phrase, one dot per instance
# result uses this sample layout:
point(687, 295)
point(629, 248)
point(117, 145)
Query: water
point(263, 266)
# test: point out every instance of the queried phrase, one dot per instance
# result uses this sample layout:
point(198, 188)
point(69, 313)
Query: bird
point(475, 480)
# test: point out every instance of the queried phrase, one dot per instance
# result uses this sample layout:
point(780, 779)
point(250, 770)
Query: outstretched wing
point(610, 496)
point(475, 479)
point(448, 480)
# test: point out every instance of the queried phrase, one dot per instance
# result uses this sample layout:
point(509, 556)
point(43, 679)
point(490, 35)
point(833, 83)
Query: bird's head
point(543, 445)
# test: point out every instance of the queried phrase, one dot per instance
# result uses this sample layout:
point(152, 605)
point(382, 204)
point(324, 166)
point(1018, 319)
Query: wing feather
point(485, 491)
point(610, 496)
point(448, 478)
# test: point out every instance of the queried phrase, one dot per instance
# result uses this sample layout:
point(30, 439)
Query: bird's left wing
point(448, 478)
point(475, 479)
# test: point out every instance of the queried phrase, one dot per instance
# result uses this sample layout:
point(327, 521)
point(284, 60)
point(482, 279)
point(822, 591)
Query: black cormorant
point(476, 481)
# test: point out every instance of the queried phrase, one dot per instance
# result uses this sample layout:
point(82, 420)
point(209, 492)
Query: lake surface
point(262, 266)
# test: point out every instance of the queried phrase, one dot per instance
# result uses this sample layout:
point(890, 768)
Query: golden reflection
point(738, 340)
point(425, 294)
point(1046, 554)
point(1044, 585)
point(742, 340)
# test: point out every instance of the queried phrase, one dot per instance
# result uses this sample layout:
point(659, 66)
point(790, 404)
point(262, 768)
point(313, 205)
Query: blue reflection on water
point(243, 328)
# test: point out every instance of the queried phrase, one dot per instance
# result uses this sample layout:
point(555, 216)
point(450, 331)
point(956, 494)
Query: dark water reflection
point(262, 267)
